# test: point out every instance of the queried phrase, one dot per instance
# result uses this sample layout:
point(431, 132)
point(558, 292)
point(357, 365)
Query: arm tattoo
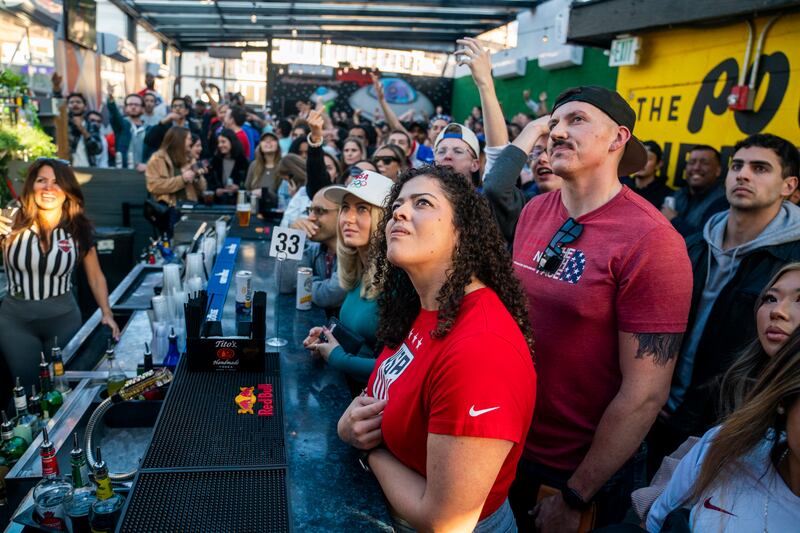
point(662, 346)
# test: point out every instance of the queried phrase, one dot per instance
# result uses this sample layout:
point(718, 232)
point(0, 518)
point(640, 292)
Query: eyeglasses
point(553, 255)
point(536, 152)
point(385, 159)
point(178, 106)
point(442, 151)
point(318, 211)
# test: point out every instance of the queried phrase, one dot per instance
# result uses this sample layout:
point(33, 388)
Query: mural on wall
point(680, 88)
point(80, 68)
point(354, 91)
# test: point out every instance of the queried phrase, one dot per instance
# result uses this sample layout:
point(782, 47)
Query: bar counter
point(327, 490)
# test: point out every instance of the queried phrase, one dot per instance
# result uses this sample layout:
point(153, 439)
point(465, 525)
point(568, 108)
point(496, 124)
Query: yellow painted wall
point(679, 88)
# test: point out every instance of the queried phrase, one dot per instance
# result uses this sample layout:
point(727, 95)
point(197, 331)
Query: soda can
point(243, 281)
point(304, 288)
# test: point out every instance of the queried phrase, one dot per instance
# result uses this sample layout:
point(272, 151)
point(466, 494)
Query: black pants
point(28, 327)
point(613, 500)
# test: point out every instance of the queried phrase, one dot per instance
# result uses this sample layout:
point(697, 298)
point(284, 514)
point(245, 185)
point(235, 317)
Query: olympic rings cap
point(454, 130)
point(369, 186)
point(612, 104)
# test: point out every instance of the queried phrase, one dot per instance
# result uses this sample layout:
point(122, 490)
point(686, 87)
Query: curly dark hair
point(481, 252)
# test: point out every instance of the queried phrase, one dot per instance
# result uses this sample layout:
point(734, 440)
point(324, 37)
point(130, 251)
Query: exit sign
point(624, 52)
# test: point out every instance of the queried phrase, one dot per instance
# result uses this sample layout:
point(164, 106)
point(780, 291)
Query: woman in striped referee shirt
point(42, 245)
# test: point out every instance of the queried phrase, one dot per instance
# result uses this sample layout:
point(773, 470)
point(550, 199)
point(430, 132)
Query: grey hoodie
point(722, 266)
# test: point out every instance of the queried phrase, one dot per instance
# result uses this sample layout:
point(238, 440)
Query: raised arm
point(316, 175)
point(115, 117)
point(479, 62)
point(388, 113)
point(213, 103)
point(500, 182)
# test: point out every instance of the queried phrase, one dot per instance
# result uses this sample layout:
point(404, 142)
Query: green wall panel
point(594, 71)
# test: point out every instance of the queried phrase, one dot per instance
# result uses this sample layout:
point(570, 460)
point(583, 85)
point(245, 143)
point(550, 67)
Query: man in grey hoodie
point(735, 256)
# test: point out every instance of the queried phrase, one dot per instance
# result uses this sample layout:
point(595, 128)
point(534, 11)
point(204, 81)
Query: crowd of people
point(539, 333)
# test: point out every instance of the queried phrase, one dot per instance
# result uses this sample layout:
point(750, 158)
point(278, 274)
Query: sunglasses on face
point(554, 255)
point(385, 159)
point(317, 211)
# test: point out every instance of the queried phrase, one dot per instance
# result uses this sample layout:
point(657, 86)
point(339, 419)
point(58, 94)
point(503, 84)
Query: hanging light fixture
point(294, 32)
point(253, 18)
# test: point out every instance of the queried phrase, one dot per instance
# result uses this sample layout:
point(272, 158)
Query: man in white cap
point(609, 286)
point(457, 147)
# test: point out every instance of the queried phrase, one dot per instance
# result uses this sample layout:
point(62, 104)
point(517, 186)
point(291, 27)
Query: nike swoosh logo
point(473, 412)
point(708, 505)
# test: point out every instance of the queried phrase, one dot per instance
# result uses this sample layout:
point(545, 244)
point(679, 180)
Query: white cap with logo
point(369, 186)
point(463, 133)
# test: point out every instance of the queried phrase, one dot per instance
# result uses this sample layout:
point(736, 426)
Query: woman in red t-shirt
point(446, 411)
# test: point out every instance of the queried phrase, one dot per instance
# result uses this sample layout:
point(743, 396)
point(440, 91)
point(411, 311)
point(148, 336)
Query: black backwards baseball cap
point(613, 105)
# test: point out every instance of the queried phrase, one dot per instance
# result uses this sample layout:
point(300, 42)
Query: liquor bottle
point(51, 399)
point(35, 407)
point(27, 424)
point(61, 383)
point(107, 509)
point(173, 355)
point(147, 363)
point(13, 447)
point(82, 489)
point(53, 494)
point(116, 377)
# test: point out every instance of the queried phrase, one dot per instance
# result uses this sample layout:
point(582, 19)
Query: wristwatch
point(363, 458)
point(573, 499)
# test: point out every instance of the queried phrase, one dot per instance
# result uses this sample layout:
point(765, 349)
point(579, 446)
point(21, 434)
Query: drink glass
point(243, 214)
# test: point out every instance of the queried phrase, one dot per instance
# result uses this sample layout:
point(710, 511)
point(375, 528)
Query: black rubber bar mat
point(200, 425)
point(232, 500)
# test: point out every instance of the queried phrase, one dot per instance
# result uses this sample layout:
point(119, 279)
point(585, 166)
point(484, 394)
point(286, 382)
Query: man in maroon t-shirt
point(609, 285)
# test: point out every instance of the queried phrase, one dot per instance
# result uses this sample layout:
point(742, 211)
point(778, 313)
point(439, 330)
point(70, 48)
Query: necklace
point(766, 502)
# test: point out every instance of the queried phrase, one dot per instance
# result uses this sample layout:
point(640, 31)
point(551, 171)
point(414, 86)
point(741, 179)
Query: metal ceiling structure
point(431, 25)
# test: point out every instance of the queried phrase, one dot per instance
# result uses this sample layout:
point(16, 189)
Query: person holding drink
point(42, 244)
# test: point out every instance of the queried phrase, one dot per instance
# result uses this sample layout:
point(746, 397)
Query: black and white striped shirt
point(33, 275)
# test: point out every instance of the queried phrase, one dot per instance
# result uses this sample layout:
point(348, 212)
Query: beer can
point(243, 280)
point(304, 288)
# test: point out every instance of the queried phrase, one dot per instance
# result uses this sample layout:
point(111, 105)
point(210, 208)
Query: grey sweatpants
point(28, 327)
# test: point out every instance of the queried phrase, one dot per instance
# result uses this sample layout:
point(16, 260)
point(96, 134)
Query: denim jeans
point(500, 521)
point(613, 499)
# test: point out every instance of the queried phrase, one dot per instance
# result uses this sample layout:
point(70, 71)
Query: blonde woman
point(361, 207)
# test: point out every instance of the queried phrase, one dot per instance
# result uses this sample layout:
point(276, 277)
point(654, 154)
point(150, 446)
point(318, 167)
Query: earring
point(781, 410)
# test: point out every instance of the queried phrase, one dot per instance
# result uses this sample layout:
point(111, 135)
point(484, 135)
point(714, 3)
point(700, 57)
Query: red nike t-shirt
point(477, 381)
point(627, 271)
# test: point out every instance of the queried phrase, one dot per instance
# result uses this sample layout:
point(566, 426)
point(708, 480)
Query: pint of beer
point(243, 214)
